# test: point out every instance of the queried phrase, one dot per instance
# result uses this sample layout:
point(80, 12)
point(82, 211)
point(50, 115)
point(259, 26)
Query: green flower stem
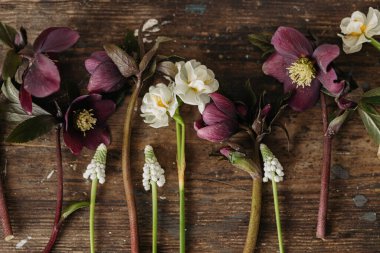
point(92, 214)
point(154, 217)
point(277, 212)
point(375, 43)
point(181, 165)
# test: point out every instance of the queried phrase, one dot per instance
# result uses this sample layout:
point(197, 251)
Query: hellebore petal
point(103, 109)
point(42, 78)
point(218, 132)
point(265, 111)
point(241, 109)
point(212, 115)
point(74, 141)
point(276, 66)
point(55, 39)
point(325, 54)
point(96, 137)
point(105, 78)
point(226, 151)
point(223, 104)
point(95, 60)
point(291, 43)
point(25, 100)
point(329, 81)
point(304, 98)
point(199, 124)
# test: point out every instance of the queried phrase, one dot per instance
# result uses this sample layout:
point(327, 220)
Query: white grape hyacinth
point(359, 29)
point(96, 169)
point(157, 104)
point(272, 167)
point(153, 172)
point(193, 83)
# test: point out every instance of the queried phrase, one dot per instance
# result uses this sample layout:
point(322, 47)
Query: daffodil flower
point(194, 82)
point(359, 29)
point(157, 104)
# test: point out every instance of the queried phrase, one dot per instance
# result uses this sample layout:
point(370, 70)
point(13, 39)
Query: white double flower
point(157, 104)
point(359, 29)
point(193, 83)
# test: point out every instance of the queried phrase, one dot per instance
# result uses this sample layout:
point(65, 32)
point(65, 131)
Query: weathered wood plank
point(218, 196)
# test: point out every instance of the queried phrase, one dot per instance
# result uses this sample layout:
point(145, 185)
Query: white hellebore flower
point(193, 83)
point(157, 104)
point(96, 169)
point(153, 173)
point(359, 29)
point(272, 167)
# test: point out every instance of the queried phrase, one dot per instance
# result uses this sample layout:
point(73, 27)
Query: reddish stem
point(325, 173)
point(4, 216)
point(58, 208)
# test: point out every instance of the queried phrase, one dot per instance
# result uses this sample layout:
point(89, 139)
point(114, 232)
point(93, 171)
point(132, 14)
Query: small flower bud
point(272, 168)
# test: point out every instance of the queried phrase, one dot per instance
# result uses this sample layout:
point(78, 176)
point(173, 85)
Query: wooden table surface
point(217, 195)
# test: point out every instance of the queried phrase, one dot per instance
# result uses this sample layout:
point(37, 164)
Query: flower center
point(85, 120)
point(159, 102)
point(302, 72)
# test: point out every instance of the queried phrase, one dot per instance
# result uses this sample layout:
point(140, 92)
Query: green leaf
point(32, 128)
point(124, 62)
point(12, 110)
point(371, 121)
point(11, 62)
point(7, 35)
point(372, 96)
point(262, 42)
point(72, 208)
point(372, 93)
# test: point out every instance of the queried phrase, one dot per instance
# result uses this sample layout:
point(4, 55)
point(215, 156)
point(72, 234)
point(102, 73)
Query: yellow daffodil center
point(85, 120)
point(159, 102)
point(362, 30)
point(302, 72)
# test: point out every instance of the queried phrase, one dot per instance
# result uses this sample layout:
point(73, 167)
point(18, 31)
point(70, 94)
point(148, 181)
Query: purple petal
point(103, 109)
point(276, 66)
point(290, 43)
point(96, 137)
point(74, 141)
point(325, 54)
point(25, 100)
point(218, 132)
point(95, 59)
point(55, 39)
point(212, 115)
point(80, 102)
point(223, 104)
point(264, 112)
point(304, 98)
point(105, 78)
point(226, 151)
point(42, 78)
point(241, 109)
point(328, 81)
point(199, 124)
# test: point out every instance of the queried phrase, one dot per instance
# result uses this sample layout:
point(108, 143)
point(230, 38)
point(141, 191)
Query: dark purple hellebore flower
point(220, 119)
point(105, 76)
point(41, 77)
point(302, 68)
point(85, 122)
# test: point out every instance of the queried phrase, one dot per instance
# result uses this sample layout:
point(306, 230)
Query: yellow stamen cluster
point(85, 120)
point(159, 102)
point(302, 72)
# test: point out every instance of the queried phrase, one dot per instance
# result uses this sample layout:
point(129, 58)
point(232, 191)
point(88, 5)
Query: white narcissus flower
point(358, 29)
point(193, 83)
point(157, 104)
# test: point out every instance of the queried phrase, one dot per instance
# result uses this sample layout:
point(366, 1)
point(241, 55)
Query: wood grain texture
point(217, 195)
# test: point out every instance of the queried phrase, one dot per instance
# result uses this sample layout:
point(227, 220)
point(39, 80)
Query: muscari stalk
point(126, 167)
point(58, 208)
point(325, 173)
point(240, 161)
point(375, 43)
point(181, 165)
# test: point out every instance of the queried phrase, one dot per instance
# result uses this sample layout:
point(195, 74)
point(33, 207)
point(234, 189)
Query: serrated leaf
point(372, 96)
point(124, 62)
point(12, 110)
point(371, 121)
point(7, 34)
point(72, 208)
point(32, 128)
point(149, 55)
point(11, 62)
